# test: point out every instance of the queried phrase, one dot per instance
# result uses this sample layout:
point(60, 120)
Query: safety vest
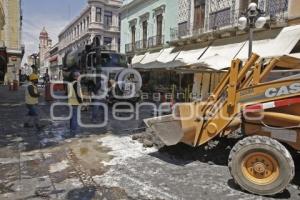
point(29, 99)
point(73, 101)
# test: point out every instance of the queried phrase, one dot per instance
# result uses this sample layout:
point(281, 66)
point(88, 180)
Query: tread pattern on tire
point(261, 140)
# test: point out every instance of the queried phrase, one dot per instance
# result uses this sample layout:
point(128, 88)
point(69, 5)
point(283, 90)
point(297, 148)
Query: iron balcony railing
point(156, 41)
point(275, 11)
point(138, 45)
point(151, 42)
point(141, 44)
point(129, 47)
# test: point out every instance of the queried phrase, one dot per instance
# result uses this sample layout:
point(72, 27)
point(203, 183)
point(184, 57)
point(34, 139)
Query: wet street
point(105, 163)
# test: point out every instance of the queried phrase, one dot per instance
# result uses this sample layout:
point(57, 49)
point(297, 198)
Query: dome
point(44, 33)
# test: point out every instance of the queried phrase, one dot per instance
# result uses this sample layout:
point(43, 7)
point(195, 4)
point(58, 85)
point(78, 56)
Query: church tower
point(45, 44)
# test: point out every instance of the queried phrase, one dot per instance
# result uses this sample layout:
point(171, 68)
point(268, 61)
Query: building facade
point(11, 47)
point(3, 56)
point(2, 17)
point(197, 17)
point(205, 39)
point(99, 22)
point(146, 24)
point(54, 64)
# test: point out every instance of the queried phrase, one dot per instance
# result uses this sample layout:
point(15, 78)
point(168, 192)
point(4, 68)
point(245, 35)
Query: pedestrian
point(5, 79)
point(95, 94)
point(32, 99)
point(75, 99)
point(46, 78)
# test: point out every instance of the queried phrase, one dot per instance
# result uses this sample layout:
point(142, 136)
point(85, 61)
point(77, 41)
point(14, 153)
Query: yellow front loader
point(265, 108)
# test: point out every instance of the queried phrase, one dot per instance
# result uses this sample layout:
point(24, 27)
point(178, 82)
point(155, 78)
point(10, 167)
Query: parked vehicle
point(98, 64)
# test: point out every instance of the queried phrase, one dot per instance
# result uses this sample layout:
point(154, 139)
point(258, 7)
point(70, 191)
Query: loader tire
point(261, 165)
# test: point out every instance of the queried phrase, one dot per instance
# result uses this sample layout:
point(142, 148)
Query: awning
point(216, 62)
point(53, 59)
point(168, 55)
point(150, 57)
point(191, 56)
point(164, 59)
point(14, 51)
point(283, 44)
point(137, 58)
point(219, 55)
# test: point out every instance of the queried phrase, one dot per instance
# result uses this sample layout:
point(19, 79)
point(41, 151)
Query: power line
point(37, 27)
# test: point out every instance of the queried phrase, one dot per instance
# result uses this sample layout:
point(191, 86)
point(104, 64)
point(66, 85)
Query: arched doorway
point(3, 68)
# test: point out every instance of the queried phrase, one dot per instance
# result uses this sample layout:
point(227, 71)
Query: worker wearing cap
point(74, 94)
point(32, 99)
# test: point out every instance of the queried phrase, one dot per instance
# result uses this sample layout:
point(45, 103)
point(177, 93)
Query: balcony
point(129, 47)
point(275, 12)
point(141, 44)
point(151, 42)
point(156, 41)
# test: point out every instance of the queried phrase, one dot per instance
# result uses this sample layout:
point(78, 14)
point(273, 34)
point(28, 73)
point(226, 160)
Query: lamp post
point(253, 18)
point(35, 57)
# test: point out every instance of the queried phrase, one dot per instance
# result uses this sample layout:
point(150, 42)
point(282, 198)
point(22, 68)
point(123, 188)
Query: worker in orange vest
point(32, 99)
point(75, 99)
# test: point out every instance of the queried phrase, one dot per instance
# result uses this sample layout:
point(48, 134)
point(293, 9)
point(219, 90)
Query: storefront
point(55, 69)
point(3, 63)
point(209, 60)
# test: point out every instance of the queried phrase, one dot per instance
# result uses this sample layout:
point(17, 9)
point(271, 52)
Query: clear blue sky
point(53, 14)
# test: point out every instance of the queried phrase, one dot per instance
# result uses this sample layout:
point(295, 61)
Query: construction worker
point(32, 99)
point(74, 93)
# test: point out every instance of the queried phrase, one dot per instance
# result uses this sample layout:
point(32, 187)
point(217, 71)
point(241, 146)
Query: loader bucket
point(166, 128)
point(172, 131)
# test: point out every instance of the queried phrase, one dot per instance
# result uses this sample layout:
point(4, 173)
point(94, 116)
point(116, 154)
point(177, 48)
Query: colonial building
point(54, 63)
point(11, 48)
point(146, 24)
point(205, 38)
point(99, 21)
point(197, 17)
point(3, 56)
point(45, 44)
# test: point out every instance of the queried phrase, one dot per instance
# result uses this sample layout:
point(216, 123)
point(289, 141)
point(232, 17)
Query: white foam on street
point(57, 167)
point(123, 148)
point(125, 151)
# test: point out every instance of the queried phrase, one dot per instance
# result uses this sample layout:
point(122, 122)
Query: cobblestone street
point(104, 163)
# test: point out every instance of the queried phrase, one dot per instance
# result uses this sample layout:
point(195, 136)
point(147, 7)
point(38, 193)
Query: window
point(199, 14)
point(244, 4)
point(145, 33)
point(113, 60)
point(107, 41)
point(107, 18)
point(98, 14)
point(159, 22)
point(183, 29)
point(132, 34)
point(220, 19)
point(97, 41)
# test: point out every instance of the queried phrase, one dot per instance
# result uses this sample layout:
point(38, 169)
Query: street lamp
point(253, 19)
point(35, 57)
